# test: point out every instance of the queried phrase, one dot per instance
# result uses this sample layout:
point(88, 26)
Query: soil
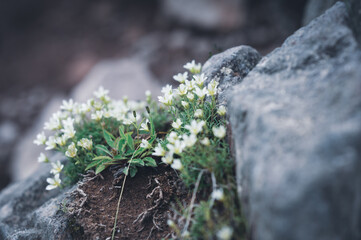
point(144, 209)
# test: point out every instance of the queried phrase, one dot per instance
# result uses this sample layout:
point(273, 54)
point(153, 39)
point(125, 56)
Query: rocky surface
point(27, 211)
point(296, 127)
point(315, 8)
point(230, 67)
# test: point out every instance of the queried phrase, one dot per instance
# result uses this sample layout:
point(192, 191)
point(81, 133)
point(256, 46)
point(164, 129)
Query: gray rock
point(230, 67)
point(124, 77)
point(315, 8)
point(354, 9)
point(206, 14)
point(296, 127)
point(28, 211)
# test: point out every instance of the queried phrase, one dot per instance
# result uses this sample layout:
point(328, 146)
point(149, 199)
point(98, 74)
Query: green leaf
point(121, 131)
point(129, 153)
point(120, 157)
point(103, 149)
point(152, 128)
point(137, 161)
point(109, 138)
point(133, 171)
point(100, 168)
point(121, 145)
point(102, 158)
point(150, 162)
point(130, 141)
point(139, 151)
point(93, 164)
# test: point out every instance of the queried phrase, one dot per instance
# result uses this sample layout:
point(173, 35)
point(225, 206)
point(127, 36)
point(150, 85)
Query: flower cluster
point(191, 112)
point(63, 126)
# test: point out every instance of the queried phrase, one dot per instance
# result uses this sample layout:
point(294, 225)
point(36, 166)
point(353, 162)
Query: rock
point(28, 211)
point(315, 8)
point(354, 9)
point(230, 67)
point(125, 77)
point(297, 135)
point(212, 15)
point(24, 160)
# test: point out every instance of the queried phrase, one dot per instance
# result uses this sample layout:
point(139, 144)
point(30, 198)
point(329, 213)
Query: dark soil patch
point(144, 209)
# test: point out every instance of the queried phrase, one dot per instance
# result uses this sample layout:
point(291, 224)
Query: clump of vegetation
point(186, 131)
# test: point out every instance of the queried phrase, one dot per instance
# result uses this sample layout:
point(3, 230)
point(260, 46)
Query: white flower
point(225, 233)
point(201, 93)
point(172, 137)
point(68, 105)
point(61, 140)
point(195, 127)
point(190, 96)
point(98, 106)
point(198, 113)
point(218, 194)
point(185, 104)
point(190, 85)
point(212, 90)
point(69, 132)
point(177, 147)
point(57, 167)
point(177, 164)
point(131, 119)
point(97, 116)
point(219, 132)
point(53, 124)
point(221, 110)
point(177, 124)
point(68, 123)
point(53, 182)
point(43, 158)
point(144, 126)
point(182, 90)
point(167, 90)
point(181, 77)
point(84, 108)
point(101, 93)
point(40, 139)
point(193, 67)
point(205, 141)
point(166, 100)
point(71, 151)
point(168, 158)
point(190, 140)
point(148, 93)
point(145, 144)
point(199, 79)
point(212, 87)
point(50, 144)
point(159, 151)
point(85, 143)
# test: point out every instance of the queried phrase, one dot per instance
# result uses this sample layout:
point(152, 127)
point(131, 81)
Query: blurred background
point(53, 50)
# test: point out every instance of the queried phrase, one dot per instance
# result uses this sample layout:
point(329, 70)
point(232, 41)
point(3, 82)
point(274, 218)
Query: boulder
point(28, 211)
point(230, 67)
point(297, 135)
point(315, 8)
